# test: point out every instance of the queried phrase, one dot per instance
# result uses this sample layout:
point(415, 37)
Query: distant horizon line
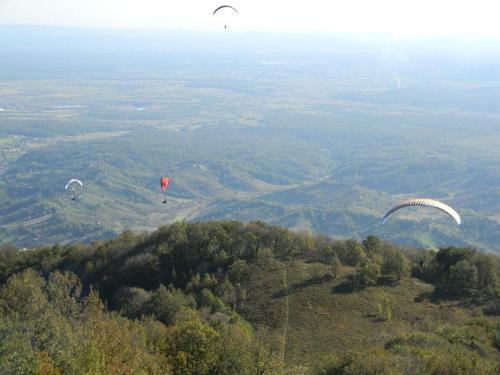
point(339, 34)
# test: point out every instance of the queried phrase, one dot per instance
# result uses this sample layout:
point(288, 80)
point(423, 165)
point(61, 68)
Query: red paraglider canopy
point(164, 181)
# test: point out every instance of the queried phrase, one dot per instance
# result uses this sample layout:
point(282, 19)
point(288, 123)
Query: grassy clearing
point(324, 319)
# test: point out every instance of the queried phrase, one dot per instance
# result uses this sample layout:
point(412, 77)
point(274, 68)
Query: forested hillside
point(225, 297)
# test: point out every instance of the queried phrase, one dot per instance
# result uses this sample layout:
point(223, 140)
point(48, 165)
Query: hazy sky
point(421, 17)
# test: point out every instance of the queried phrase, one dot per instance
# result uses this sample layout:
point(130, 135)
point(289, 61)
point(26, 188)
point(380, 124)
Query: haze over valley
point(314, 133)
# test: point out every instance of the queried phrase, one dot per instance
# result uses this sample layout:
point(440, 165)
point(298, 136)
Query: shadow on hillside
point(302, 285)
point(375, 317)
point(467, 300)
point(388, 280)
point(349, 285)
point(346, 286)
point(427, 296)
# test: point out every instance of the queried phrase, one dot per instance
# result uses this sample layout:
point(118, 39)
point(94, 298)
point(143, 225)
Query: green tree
point(394, 262)
point(350, 253)
point(193, 348)
point(164, 303)
point(367, 275)
point(487, 281)
point(265, 255)
point(264, 352)
point(133, 302)
point(304, 243)
point(208, 299)
point(238, 271)
point(10, 261)
point(462, 278)
point(373, 245)
point(446, 258)
point(234, 350)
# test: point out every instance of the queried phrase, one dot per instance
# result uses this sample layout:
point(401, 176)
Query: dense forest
point(225, 297)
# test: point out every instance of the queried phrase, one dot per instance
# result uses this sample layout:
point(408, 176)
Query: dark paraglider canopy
point(225, 6)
